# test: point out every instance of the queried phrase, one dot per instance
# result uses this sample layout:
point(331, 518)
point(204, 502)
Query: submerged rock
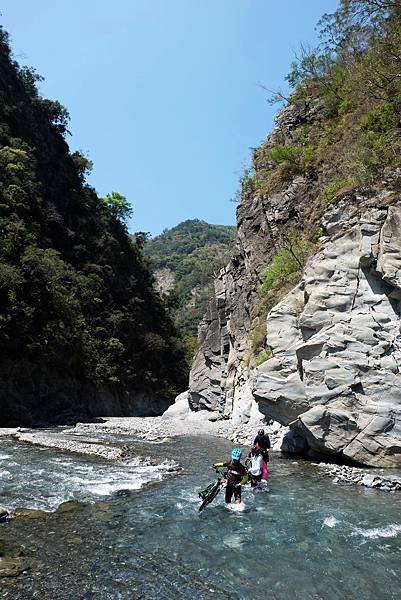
point(71, 506)
point(13, 562)
point(13, 566)
point(30, 513)
point(4, 514)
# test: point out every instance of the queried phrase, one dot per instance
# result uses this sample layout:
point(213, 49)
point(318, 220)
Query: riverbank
point(88, 438)
point(91, 439)
point(60, 441)
point(347, 475)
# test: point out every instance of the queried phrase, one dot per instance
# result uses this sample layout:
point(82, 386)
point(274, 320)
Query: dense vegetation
point(76, 295)
point(347, 93)
point(352, 81)
point(194, 252)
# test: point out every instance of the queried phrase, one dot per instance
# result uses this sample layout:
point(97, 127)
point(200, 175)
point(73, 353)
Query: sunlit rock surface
point(335, 338)
point(336, 343)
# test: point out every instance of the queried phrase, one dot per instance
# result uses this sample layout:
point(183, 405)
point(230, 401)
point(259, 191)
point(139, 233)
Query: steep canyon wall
point(334, 339)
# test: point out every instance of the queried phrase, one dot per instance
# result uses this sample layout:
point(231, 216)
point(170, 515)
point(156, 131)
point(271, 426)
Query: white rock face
point(165, 280)
point(335, 371)
point(180, 409)
point(334, 377)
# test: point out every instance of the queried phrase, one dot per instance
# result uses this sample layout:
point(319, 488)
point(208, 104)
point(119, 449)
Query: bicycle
point(212, 490)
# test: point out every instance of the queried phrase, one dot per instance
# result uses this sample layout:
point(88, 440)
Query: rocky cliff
point(333, 340)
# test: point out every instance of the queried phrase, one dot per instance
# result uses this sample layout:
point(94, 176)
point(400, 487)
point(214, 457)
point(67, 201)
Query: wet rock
point(30, 513)
point(75, 541)
point(356, 476)
point(368, 480)
point(11, 567)
point(70, 506)
point(4, 514)
point(12, 560)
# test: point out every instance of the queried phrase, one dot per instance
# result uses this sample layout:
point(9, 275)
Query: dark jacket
point(235, 472)
point(263, 441)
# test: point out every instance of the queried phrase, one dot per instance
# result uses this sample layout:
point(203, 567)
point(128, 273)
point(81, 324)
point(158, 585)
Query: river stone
point(13, 566)
point(12, 560)
point(4, 514)
point(74, 540)
point(71, 506)
point(367, 480)
point(30, 513)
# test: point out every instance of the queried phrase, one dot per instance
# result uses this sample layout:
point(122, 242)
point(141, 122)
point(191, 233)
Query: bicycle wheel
point(211, 496)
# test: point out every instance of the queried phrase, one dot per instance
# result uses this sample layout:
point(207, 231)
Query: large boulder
point(335, 372)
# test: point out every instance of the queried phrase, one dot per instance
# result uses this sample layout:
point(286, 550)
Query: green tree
point(76, 295)
point(118, 206)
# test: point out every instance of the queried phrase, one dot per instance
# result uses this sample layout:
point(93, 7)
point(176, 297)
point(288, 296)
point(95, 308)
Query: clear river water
point(304, 538)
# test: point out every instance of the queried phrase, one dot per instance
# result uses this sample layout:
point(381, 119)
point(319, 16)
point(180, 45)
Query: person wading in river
point(257, 470)
point(236, 476)
point(263, 441)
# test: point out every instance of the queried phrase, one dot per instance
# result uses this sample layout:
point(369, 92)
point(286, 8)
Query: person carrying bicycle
point(236, 476)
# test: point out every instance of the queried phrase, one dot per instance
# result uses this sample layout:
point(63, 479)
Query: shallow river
point(305, 538)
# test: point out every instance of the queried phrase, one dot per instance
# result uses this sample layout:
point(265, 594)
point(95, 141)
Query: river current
point(304, 538)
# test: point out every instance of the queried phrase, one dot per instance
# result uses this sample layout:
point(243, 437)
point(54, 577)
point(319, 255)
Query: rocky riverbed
point(354, 476)
point(59, 439)
point(115, 539)
point(92, 439)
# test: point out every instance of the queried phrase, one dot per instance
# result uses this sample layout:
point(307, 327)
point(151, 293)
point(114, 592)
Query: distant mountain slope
point(185, 260)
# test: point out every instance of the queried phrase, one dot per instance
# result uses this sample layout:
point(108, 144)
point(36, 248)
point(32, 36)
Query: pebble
point(356, 476)
point(56, 441)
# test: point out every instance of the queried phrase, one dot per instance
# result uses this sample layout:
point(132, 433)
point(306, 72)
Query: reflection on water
point(306, 538)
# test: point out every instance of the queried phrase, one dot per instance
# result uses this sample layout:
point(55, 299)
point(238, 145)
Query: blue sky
point(164, 95)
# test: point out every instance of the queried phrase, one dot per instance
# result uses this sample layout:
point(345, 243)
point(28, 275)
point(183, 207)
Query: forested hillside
point(345, 102)
point(185, 260)
point(81, 327)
